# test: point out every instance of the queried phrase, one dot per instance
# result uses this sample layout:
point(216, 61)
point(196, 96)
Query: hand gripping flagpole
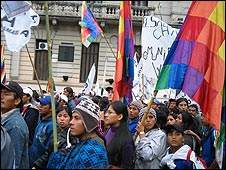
point(144, 117)
point(50, 77)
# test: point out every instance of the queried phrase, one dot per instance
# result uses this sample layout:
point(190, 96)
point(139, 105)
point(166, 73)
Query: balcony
point(71, 9)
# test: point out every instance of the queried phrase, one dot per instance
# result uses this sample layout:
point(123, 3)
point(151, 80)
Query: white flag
point(137, 82)
point(89, 82)
point(98, 89)
point(17, 29)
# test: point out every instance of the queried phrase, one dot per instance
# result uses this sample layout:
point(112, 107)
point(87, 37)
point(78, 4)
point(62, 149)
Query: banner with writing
point(17, 29)
point(157, 38)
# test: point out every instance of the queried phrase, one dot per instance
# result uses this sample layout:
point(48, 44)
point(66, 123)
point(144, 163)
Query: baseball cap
point(28, 91)
point(13, 87)
point(175, 127)
point(44, 100)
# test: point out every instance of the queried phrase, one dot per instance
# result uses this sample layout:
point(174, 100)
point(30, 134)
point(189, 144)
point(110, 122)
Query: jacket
point(31, 117)
point(88, 154)
point(17, 129)
point(177, 160)
point(42, 161)
point(42, 139)
point(121, 149)
point(7, 151)
point(183, 158)
point(208, 146)
point(150, 149)
point(132, 124)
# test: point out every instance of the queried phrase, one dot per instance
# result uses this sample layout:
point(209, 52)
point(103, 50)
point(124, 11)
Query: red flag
point(195, 63)
point(124, 73)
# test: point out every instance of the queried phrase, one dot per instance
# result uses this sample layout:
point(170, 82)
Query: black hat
point(175, 127)
point(13, 87)
point(108, 88)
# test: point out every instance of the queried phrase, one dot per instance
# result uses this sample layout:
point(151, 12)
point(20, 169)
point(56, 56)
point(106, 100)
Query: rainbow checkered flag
point(3, 71)
point(90, 29)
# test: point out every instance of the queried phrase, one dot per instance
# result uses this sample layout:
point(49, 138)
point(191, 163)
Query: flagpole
point(108, 44)
point(146, 112)
point(36, 75)
point(50, 77)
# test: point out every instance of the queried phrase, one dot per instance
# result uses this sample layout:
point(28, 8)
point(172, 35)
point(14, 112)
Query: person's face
point(76, 125)
point(179, 119)
point(63, 119)
point(66, 93)
point(62, 103)
point(26, 98)
point(133, 111)
point(110, 95)
point(8, 100)
point(111, 117)
point(45, 110)
point(172, 105)
point(183, 106)
point(149, 122)
point(154, 106)
point(170, 120)
point(192, 111)
point(175, 139)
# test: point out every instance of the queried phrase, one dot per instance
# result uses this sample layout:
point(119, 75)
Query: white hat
point(63, 97)
point(28, 90)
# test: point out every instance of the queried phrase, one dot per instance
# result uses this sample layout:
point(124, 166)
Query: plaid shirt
point(88, 154)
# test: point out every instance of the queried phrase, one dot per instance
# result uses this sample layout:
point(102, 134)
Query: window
point(140, 3)
point(137, 49)
point(41, 60)
point(66, 52)
point(90, 55)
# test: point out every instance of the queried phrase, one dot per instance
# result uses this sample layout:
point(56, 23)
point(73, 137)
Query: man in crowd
point(30, 113)
point(43, 131)
point(13, 122)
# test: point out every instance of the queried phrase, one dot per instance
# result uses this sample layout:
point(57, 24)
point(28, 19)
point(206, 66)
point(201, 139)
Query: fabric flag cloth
point(89, 82)
point(49, 86)
point(17, 29)
point(13, 8)
point(137, 82)
point(196, 61)
point(124, 73)
point(90, 29)
point(220, 144)
point(3, 71)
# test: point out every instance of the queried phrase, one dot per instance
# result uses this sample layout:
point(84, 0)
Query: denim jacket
point(17, 128)
point(42, 139)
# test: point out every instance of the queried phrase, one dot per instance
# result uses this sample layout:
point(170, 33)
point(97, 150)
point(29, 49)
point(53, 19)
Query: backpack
point(199, 163)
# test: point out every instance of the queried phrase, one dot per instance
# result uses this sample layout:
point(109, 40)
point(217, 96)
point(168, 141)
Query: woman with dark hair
point(190, 127)
point(182, 104)
point(150, 143)
point(119, 141)
point(171, 118)
point(70, 94)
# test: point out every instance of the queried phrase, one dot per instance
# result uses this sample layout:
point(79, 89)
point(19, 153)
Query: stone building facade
point(71, 61)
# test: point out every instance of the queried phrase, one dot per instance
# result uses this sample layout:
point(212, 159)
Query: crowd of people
point(96, 132)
